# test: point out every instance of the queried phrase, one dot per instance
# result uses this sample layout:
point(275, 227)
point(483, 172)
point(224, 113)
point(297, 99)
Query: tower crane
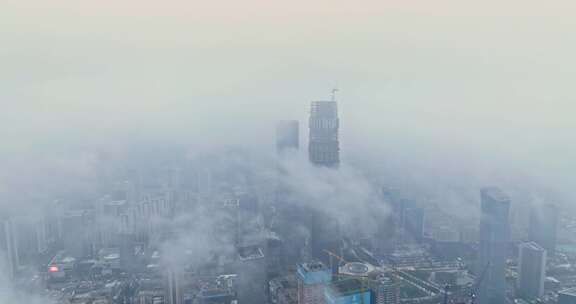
point(332, 255)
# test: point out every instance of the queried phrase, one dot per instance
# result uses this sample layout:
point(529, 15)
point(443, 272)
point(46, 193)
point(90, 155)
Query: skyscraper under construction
point(324, 147)
point(324, 151)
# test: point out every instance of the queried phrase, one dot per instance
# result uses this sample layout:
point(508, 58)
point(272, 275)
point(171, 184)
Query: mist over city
point(302, 152)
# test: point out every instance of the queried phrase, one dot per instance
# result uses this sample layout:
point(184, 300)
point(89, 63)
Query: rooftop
point(250, 253)
point(347, 287)
point(569, 292)
point(356, 269)
point(495, 194)
point(313, 266)
point(532, 245)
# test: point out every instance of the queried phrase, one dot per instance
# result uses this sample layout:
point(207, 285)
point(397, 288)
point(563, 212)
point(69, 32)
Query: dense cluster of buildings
point(136, 244)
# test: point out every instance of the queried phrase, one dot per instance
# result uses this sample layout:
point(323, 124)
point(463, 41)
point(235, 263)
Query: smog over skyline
point(265, 152)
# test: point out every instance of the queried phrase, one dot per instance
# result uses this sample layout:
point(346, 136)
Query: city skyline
point(153, 210)
point(303, 152)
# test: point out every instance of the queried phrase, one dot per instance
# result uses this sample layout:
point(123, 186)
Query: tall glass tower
point(494, 240)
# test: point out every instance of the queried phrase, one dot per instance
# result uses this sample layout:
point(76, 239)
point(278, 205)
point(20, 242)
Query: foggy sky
point(448, 87)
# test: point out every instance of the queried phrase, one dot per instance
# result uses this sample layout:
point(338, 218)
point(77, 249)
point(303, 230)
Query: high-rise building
point(127, 249)
point(174, 292)
point(287, 136)
point(326, 236)
point(251, 270)
point(204, 184)
point(274, 254)
point(388, 229)
point(349, 291)
point(29, 236)
point(288, 213)
point(532, 270)
point(414, 223)
point(9, 247)
point(542, 228)
point(284, 290)
point(324, 151)
point(324, 147)
point(494, 240)
point(76, 229)
point(385, 290)
point(567, 296)
point(312, 279)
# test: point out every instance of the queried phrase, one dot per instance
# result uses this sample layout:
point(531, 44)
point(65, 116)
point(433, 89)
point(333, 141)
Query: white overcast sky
point(492, 78)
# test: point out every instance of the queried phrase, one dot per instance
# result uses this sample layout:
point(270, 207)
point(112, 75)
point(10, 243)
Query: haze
point(449, 76)
point(436, 99)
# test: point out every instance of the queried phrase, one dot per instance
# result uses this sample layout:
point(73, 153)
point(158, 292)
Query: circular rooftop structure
point(356, 269)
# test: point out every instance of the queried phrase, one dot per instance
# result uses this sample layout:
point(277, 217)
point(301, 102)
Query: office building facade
point(323, 146)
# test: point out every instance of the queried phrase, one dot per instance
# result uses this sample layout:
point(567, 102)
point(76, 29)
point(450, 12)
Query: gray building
point(385, 290)
point(414, 223)
point(531, 270)
point(324, 147)
point(76, 230)
point(9, 247)
point(287, 136)
point(312, 279)
point(542, 229)
point(251, 270)
point(174, 287)
point(326, 236)
point(26, 235)
point(324, 151)
point(567, 296)
point(494, 240)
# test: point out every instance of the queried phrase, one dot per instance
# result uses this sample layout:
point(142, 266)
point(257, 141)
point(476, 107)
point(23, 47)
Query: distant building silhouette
point(326, 236)
point(9, 247)
point(494, 239)
point(531, 270)
point(414, 223)
point(287, 136)
point(543, 225)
